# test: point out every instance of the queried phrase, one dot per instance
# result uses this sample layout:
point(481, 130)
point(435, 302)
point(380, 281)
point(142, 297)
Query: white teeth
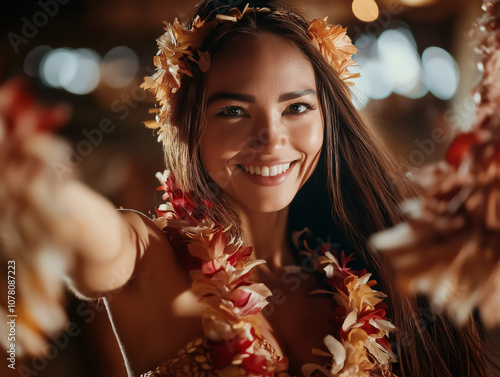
point(267, 171)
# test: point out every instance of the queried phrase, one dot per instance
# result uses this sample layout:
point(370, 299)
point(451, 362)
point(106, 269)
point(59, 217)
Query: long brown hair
point(352, 193)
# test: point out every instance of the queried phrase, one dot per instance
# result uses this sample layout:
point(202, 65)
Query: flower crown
point(178, 46)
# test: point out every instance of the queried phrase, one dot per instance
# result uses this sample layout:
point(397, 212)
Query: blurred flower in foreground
point(450, 247)
point(31, 264)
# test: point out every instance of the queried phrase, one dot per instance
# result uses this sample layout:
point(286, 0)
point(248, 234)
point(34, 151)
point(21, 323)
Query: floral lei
point(221, 269)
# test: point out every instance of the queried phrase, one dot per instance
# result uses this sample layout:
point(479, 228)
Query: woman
point(263, 140)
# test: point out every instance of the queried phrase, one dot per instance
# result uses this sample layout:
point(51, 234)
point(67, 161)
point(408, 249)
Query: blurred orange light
point(365, 10)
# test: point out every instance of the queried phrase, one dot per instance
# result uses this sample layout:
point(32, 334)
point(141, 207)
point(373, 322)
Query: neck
point(268, 234)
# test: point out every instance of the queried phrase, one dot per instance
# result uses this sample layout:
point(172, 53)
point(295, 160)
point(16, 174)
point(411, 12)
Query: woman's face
point(264, 123)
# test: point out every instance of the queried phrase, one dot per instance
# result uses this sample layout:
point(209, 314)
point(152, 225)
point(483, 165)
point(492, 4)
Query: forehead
point(261, 64)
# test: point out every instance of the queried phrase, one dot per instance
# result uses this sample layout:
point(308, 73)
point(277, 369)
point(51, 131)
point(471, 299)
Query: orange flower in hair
point(177, 46)
point(335, 46)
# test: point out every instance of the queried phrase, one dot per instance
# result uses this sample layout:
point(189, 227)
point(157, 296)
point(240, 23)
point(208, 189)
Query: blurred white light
point(55, 65)
point(441, 72)
point(69, 69)
point(367, 45)
point(33, 59)
point(119, 66)
point(85, 78)
point(405, 35)
point(420, 90)
point(399, 58)
point(76, 71)
point(375, 81)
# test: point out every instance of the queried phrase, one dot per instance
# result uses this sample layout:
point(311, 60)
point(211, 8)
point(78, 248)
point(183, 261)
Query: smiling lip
point(271, 174)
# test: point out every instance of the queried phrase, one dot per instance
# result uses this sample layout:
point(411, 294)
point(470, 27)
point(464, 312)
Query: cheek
point(219, 145)
point(309, 137)
point(210, 152)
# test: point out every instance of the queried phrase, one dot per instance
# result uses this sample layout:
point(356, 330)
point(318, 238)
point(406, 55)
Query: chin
point(261, 204)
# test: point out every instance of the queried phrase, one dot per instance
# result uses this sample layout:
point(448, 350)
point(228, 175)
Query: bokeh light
point(400, 59)
point(33, 59)
point(87, 75)
point(119, 67)
point(391, 64)
point(76, 71)
point(55, 65)
point(365, 10)
point(375, 81)
point(441, 72)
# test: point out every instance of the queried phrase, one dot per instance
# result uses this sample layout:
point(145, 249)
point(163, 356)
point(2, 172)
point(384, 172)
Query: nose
point(269, 133)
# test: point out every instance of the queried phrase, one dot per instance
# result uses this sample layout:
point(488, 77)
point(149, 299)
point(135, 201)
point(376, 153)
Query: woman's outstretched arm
point(52, 229)
point(108, 244)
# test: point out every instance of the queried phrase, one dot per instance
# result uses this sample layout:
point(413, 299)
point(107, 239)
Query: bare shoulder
point(155, 255)
point(111, 246)
point(144, 232)
point(156, 303)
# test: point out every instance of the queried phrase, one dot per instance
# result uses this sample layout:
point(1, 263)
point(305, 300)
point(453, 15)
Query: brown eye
point(298, 108)
point(231, 112)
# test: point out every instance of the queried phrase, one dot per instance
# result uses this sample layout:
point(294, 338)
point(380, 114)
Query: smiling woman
point(267, 158)
point(264, 130)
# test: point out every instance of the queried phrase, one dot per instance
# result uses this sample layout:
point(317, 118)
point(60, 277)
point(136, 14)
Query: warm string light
point(365, 10)
point(368, 11)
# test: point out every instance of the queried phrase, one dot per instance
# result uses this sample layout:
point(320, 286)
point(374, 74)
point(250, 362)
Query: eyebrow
point(251, 99)
point(296, 94)
point(233, 96)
